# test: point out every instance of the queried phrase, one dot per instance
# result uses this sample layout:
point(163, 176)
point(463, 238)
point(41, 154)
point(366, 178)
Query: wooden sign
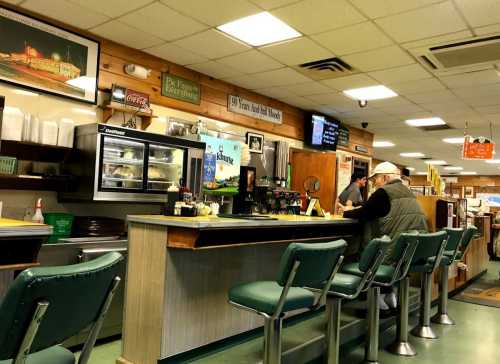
point(180, 88)
point(361, 149)
point(477, 148)
point(242, 106)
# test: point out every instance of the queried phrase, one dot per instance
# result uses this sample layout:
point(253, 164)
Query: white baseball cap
point(385, 168)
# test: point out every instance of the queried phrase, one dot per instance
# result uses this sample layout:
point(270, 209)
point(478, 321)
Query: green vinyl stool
point(46, 305)
point(349, 286)
point(450, 253)
point(386, 276)
point(304, 268)
point(426, 261)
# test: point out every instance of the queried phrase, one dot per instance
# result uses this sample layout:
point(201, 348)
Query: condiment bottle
point(38, 216)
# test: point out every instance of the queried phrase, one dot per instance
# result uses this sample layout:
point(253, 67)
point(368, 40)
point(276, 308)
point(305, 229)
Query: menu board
point(221, 172)
point(343, 136)
point(325, 132)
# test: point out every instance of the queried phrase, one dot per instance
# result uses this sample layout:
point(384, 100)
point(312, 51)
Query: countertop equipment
point(76, 250)
point(120, 164)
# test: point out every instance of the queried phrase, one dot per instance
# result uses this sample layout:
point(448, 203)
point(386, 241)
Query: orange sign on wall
point(478, 148)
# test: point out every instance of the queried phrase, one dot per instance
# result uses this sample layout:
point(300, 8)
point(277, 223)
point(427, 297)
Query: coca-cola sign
point(130, 98)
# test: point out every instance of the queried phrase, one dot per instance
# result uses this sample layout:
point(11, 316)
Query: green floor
point(475, 339)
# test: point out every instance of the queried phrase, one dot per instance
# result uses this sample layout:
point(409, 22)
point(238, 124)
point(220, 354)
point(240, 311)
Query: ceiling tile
point(479, 13)
point(251, 62)
point(308, 88)
point(315, 16)
point(445, 106)
point(13, 1)
point(281, 77)
point(66, 12)
point(248, 82)
point(423, 23)
point(152, 20)
point(175, 54)
point(297, 51)
point(379, 59)
point(328, 111)
point(441, 39)
point(471, 79)
point(418, 86)
point(401, 74)
point(334, 100)
point(377, 9)
point(300, 102)
point(476, 101)
point(272, 4)
point(355, 38)
point(431, 96)
point(214, 12)
point(277, 92)
point(212, 44)
point(479, 91)
point(349, 82)
point(215, 69)
point(493, 109)
point(124, 34)
point(111, 8)
point(490, 29)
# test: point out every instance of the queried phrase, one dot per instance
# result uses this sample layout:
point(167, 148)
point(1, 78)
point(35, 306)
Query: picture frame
point(46, 58)
point(255, 142)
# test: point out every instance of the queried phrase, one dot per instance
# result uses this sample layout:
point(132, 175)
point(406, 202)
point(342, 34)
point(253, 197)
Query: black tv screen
point(322, 132)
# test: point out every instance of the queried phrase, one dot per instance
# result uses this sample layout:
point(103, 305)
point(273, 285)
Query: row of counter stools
point(310, 274)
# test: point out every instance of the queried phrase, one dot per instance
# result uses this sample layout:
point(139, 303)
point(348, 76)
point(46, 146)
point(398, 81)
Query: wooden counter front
point(176, 299)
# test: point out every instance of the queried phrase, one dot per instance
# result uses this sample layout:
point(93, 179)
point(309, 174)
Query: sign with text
point(242, 106)
point(478, 148)
point(180, 88)
point(343, 136)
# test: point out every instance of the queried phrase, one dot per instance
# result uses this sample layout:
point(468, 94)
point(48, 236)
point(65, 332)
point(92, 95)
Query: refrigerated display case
point(119, 164)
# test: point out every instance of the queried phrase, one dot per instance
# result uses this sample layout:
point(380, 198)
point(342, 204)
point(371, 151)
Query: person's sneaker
point(381, 301)
point(391, 300)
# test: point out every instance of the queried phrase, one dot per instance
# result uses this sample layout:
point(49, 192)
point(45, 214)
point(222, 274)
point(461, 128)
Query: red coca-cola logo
point(136, 98)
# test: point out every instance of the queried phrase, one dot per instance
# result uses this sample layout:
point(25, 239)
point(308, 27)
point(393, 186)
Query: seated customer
point(391, 210)
point(351, 195)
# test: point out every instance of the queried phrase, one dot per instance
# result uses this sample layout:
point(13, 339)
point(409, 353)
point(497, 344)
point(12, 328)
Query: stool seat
point(346, 284)
point(384, 273)
point(53, 355)
point(445, 261)
point(263, 296)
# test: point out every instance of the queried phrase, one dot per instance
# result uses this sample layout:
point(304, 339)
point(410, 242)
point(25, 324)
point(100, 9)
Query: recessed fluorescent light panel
point(259, 29)
point(464, 173)
point(370, 93)
point(459, 140)
point(412, 155)
point(422, 173)
point(425, 122)
point(435, 162)
point(493, 161)
point(24, 93)
point(451, 168)
point(383, 144)
point(411, 169)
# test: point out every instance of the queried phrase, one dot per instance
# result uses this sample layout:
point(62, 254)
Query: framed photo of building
point(45, 58)
point(255, 142)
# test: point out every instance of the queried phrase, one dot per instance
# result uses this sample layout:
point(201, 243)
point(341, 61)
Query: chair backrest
point(371, 259)
point(454, 239)
point(467, 237)
point(430, 245)
point(406, 245)
point(317, 262)
point(75, 295)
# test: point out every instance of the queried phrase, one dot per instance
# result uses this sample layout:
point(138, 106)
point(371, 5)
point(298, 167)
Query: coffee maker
point(244, 201)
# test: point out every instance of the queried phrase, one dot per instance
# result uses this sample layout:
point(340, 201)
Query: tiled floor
point(475, 339)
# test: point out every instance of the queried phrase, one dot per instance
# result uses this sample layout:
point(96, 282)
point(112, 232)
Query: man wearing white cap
point(391, 210)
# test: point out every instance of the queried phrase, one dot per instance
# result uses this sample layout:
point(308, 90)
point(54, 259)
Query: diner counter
point(180, 270)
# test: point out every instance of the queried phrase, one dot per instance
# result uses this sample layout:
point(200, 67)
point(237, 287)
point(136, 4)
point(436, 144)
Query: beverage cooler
point(120, 164)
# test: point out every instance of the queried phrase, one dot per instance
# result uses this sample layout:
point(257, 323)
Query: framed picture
point(255, 142)
point(45, 58)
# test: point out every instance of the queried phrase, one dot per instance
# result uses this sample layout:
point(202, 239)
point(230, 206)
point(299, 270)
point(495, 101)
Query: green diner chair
point(303, 268)
point(46, 305)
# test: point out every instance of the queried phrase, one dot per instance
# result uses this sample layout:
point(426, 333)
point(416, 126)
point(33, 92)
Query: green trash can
point(62, 224)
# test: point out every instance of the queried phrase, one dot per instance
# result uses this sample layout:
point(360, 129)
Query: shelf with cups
point(110, 109)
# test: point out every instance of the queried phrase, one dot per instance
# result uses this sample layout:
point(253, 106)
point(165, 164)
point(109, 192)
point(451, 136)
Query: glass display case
point(166, 167)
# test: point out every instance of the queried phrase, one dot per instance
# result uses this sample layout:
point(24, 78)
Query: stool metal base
point(425, 332)
point(442, 319)
point(402, 349)
point(371, 346)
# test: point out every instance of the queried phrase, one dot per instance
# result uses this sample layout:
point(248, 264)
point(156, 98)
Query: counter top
point(214, 222)
point(14, 228)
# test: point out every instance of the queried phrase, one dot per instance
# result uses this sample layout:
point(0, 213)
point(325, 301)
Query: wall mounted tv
point(321, 132)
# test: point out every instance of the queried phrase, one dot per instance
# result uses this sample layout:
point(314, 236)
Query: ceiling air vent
point(326, 69)
point(435, 127)
point(468, 55)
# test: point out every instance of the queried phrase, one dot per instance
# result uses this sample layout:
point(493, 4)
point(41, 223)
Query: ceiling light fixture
point(411, 169)
point(425, 122)
point(464, 173)
point(412, 155)
point(259, 29)
point(422, 173)
point(459, 140)
point(493, 161)
point(451, 168)
point(383, 144)
point(365, 94)
point(435, 162)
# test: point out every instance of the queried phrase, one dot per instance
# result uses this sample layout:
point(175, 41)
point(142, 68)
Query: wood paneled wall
point(480, 181)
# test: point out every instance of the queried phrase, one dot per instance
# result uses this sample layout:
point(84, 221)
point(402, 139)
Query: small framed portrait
point(255, 142)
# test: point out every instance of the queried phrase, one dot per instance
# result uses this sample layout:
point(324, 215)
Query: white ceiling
point(373, 36)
